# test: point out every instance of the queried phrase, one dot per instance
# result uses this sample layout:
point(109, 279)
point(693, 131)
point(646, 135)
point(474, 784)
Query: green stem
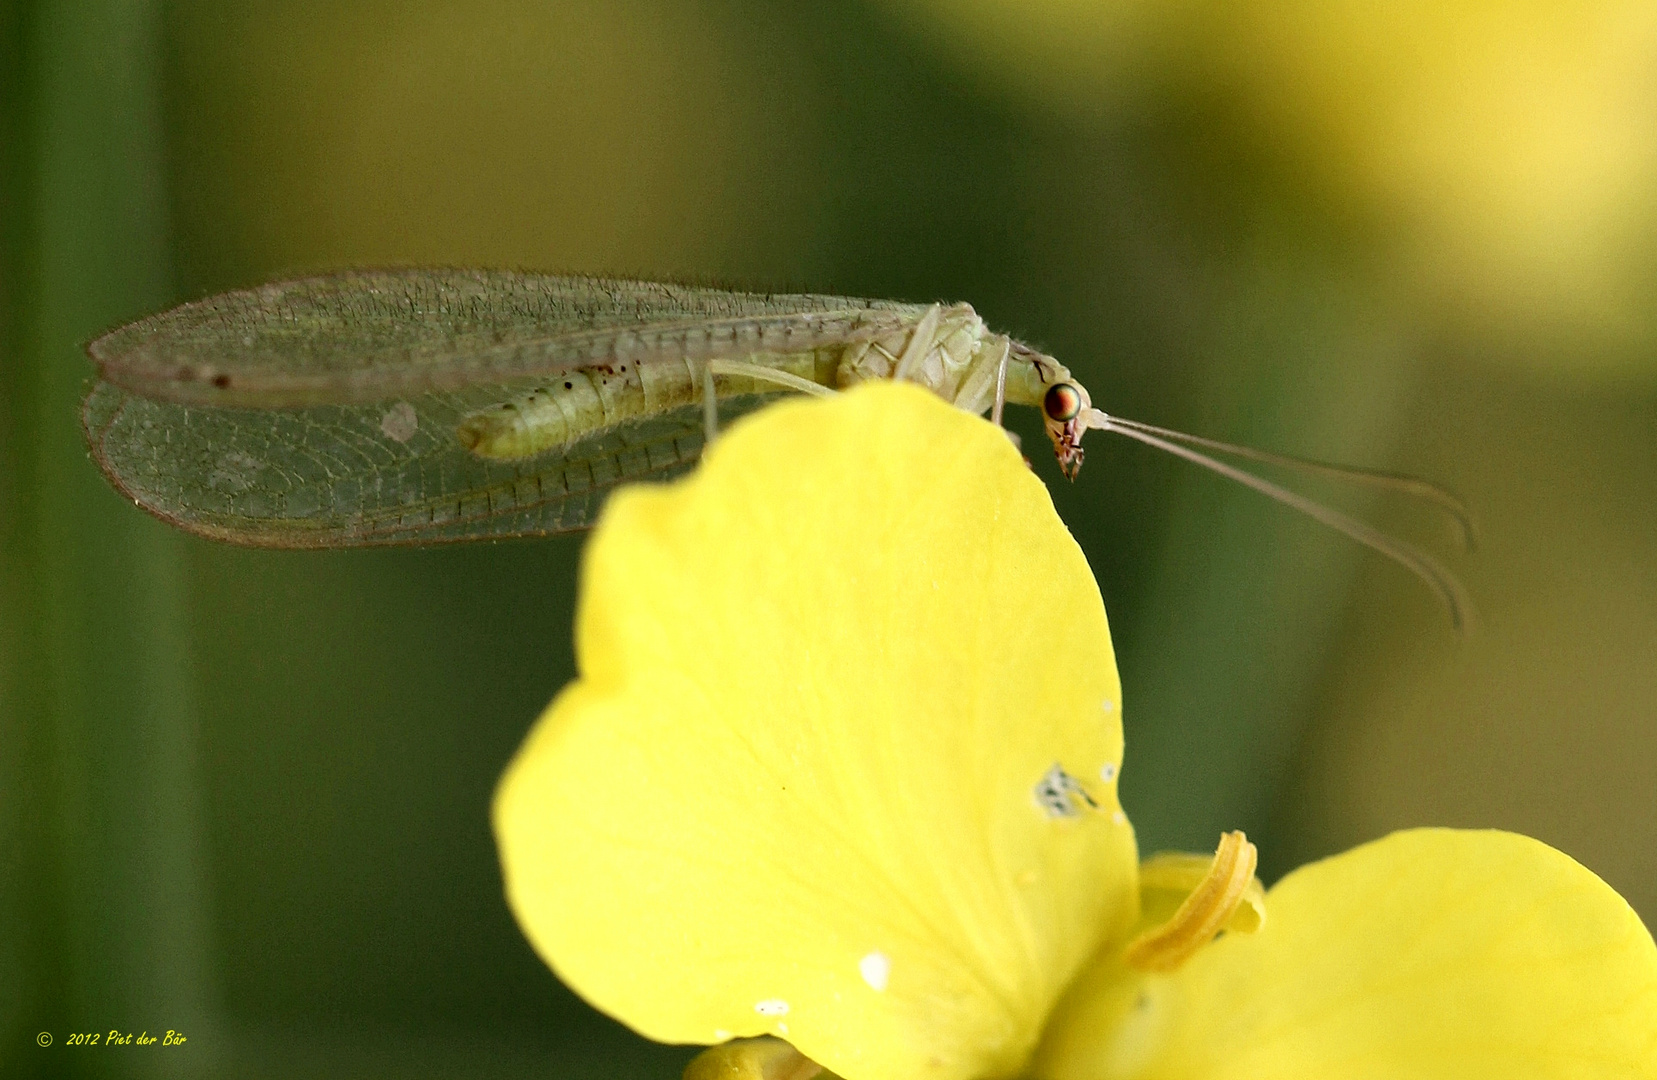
point(113, 927)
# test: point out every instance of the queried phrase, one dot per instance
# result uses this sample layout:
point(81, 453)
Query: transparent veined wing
point(330, 476)
point(368, 335)
point(322, 412)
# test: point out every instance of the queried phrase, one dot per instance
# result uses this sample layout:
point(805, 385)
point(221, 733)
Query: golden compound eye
point(1063, 401)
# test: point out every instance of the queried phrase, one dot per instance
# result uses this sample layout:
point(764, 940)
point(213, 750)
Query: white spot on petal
point(720, 1035)
point(1107, 773)
point(782, 1028)
point(1107, 705)
point(1119, 817)
point(876, 969)
point(771, 1007)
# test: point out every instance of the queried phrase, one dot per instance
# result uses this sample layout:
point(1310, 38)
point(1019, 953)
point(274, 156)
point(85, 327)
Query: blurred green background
point(243, 795)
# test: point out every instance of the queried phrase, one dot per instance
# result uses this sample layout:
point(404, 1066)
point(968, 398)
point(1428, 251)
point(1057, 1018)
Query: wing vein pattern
point(322, 412)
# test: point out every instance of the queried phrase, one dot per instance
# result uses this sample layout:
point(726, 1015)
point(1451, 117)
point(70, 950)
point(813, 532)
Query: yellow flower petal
point(1429, 954)
point(846, 695)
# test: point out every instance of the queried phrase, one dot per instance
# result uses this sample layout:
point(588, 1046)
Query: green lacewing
point(416, 406)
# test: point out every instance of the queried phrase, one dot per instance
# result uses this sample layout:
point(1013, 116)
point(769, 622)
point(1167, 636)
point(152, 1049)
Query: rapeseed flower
point(840, 769)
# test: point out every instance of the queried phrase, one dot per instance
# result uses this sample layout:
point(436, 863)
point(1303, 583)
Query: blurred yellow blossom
point(1506, 151)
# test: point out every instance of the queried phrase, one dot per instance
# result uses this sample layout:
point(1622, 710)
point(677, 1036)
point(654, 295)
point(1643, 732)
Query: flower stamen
point(1210, 906)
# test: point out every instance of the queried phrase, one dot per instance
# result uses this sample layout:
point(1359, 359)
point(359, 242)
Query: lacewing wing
point(322, 412)
point(327, 412)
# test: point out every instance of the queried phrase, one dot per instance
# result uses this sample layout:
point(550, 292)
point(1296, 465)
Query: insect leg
point(1000, 385)
point(920, 344)
point(710, 405)
point(762, 373)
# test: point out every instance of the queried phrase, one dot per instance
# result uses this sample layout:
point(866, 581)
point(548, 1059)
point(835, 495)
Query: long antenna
point(1428, 569)
point(1398, 483)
